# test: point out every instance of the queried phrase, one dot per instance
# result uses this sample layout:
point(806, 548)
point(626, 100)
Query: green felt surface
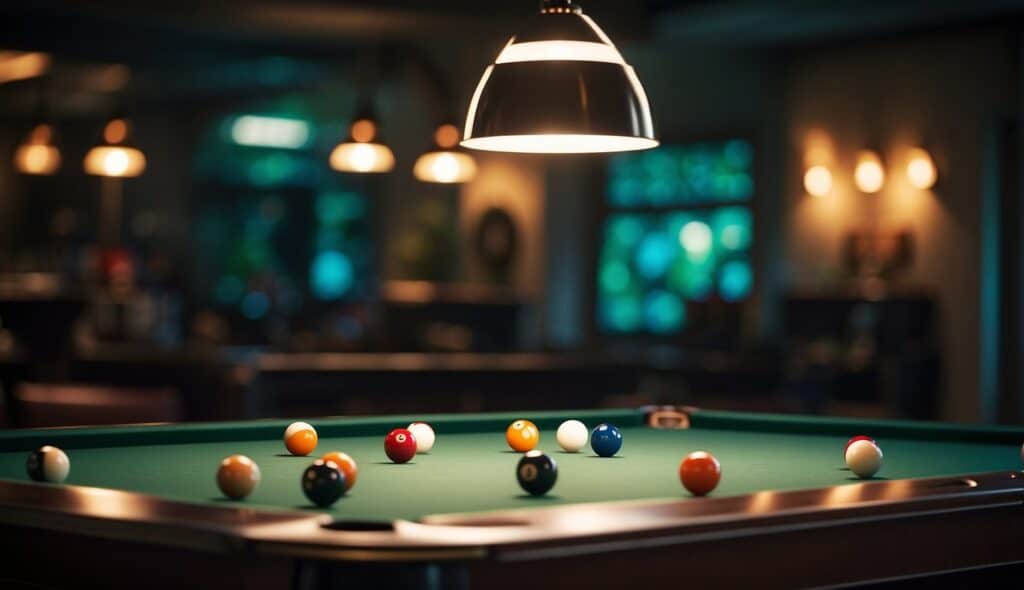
point(471, 468)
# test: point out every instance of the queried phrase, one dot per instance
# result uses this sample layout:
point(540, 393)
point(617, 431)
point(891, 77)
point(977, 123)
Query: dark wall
point(950, 93)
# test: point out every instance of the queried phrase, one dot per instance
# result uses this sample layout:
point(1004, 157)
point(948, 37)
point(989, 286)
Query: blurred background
point(831, 225)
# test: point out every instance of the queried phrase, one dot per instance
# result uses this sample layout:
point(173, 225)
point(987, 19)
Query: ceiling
point(190, 31)
point(192, 47)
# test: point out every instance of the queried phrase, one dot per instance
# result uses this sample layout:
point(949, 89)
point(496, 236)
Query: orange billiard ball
point(237, 476)
point(346, 464)
point(300, 438)
point(700, 472)
point(522, 435)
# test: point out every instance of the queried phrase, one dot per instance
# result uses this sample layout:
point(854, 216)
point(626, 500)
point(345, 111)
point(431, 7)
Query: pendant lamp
point(361, 152)
point(39, 154)
point(559, 86)
point(445, 164)
point(115, 157)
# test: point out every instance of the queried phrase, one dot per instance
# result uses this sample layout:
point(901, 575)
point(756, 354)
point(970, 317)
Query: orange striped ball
point(346, 464)
point(300, 439)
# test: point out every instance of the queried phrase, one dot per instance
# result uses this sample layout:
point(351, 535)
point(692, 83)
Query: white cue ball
point(424, 436)
point(572, 436)
point(48, 463)
point(864, 458)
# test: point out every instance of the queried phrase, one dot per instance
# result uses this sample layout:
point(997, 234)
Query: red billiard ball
point(400, 445)
point(700, 472)
point(855, 439)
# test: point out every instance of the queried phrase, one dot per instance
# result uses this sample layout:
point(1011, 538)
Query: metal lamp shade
point(560, 86)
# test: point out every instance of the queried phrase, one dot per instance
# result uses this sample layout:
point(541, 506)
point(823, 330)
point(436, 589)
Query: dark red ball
point(400, 445)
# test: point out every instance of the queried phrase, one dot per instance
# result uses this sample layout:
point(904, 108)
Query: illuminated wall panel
point(678, 230)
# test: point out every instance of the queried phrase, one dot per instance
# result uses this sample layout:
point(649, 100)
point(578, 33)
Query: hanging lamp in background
point(361, 152)
point(559, 86)
point(115, 157)
point(39, 154)
point(445, 163)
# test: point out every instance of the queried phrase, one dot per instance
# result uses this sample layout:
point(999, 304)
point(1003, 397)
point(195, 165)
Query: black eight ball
point(323, 483)
point(537, 473)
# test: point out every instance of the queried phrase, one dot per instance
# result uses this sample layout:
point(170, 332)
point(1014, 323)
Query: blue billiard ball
point(606, 440)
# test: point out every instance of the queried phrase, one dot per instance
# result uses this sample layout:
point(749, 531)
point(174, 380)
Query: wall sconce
point(869, 176)
point(921, 170)
point(818, 181)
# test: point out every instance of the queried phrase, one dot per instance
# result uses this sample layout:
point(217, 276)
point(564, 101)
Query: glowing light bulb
point(818, 181)
point(869, 176)
point(362, 158)
point(37, 159)
point(114, 160)
point(921, 169)
point(115, 163)
point(445, 168)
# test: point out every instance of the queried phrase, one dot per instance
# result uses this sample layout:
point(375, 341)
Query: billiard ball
point(48, 463)
point(700, 472)
point(323, 483)
point(346, 464)
point(864, 458)
point(424, 436)
point(572, 436)
point(300, 438)
point(238, 476)
point(522, 435)
point(606, 440)
point(400, 445)
point(855, 439)
point(536, 472)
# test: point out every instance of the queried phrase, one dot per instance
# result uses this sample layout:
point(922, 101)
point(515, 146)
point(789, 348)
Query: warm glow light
point(818, 181)
point(445, 167)
point(560, 51)
point(37, 155)
point(115, 160)
point(362, 158)
point(273, 132)
point(921, 169)
point(560, 143)
point(869, 176)
point(19, 65)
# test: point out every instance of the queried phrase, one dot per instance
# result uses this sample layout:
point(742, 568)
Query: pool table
point(141, 507)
